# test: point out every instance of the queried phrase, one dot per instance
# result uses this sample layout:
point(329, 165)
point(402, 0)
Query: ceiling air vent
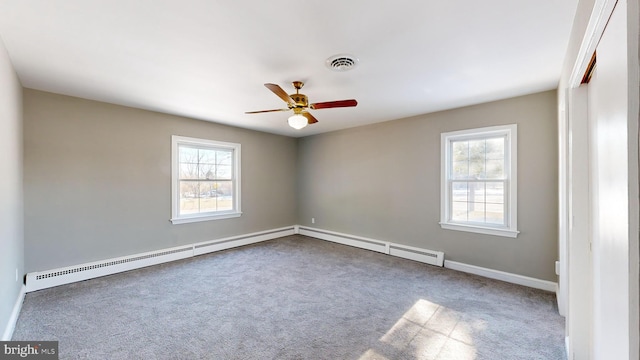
point(341, 62)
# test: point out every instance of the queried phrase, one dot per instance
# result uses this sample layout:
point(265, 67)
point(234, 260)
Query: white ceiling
point(209, 59)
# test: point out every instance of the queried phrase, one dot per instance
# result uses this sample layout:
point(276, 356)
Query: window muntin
point(478, 180)
point(205, 180)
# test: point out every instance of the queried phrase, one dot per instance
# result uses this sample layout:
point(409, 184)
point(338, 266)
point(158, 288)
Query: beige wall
point(11, 210)
point(383, 181)
point(97, 181)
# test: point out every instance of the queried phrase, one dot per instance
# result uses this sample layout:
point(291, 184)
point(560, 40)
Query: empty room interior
point(320, 180)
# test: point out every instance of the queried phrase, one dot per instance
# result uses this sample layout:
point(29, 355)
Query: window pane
point(189, 200)
point(207, 156)
point(460, 151)
point(225, 195)
point(495, 169)
point(207, 196)
point(188, 189)
point(207, 189)
point(495, 214)
point(207, 171)
point(459, 211)
point(495, 148)
point(459, 191)
point(495, 193)
point(476, 168)
point(460, 169)
point(188, 171)
point(224, 158)
point(187, 154)
point(223, 172)
point(476, 212)
point(476, 192)
point(476, 150)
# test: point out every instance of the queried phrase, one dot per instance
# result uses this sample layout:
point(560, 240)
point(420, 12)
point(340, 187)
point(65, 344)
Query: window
point(478, 185)
point(205, 180)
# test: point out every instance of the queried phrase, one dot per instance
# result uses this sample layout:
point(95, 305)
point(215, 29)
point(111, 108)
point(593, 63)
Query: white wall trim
point(70, 274)
point(13, 319)
point(176, 217)
point(503, 276)
point(510, 180)
point(602, 10)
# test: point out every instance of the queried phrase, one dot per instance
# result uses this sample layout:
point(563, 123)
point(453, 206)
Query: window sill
point(481, 230)
point(192, 219)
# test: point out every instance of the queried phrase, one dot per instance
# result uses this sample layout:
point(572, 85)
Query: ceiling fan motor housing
point(300, 99)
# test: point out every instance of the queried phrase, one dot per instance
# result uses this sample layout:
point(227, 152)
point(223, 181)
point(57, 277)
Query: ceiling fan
point(299, 103)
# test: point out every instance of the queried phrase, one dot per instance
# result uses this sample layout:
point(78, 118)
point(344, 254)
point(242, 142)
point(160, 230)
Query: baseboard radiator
point(426, 256)
point(66, 275)
point(413, 253)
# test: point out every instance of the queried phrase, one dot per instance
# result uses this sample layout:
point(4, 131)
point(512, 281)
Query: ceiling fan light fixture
point(298, 121)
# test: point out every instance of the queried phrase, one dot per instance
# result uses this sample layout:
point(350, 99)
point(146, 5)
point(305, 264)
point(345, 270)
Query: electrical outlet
point(313, 220)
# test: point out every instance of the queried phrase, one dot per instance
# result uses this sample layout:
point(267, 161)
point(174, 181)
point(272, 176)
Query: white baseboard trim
point(55, 277)
point(70, 274)
point(503, 276)
point(345, 239)
point(13, 319)
point(408, 252)
point(235, 241)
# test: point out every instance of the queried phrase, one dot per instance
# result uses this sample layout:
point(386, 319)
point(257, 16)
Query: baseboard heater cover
point(46, 279)
point(408, 252)
point(66, 275)
point(356, 241)
point(228, 243)
point(426, 256)
point(423, 255)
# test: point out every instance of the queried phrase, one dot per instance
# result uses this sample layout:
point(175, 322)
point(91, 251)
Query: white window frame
point(176, 217)
point(511, 183)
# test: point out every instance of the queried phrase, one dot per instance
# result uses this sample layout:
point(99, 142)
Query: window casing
point(479, 180)
point(205, 180)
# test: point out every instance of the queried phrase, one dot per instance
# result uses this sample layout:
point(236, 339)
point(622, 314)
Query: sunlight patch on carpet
point(426, 331)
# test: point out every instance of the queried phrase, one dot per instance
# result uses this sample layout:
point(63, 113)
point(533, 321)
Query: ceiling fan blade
point(265, 111)
point(312, 120)
point(334, 104)
point(281, 93)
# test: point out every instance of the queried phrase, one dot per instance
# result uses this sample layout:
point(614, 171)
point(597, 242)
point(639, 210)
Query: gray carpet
point(295, 298)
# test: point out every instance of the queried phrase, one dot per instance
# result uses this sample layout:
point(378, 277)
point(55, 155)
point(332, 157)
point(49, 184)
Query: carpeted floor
point(295, 298)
